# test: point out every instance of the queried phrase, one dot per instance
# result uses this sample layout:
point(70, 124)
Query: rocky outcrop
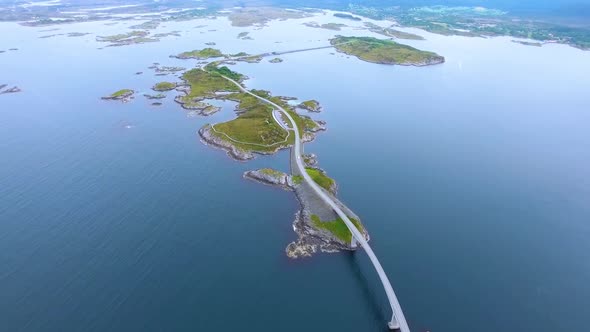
point(271, 177)
point(434, 60)
point(310, 159)
point(196, 106)
point(208, 137)
point(14, 89)
point(157, 96)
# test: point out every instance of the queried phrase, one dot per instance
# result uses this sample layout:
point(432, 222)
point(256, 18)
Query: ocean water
point(471, 177)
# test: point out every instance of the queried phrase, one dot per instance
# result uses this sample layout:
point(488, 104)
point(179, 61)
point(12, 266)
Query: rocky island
point(327, 26)
point(129, 38)
point(385, 51)
point(317, 226)
point(164, 86)
point(124, 95)
point(206, 53)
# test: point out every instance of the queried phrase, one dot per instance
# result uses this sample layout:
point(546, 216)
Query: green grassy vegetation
point(255, 128)
point(205, 53)
point(122, 92)
point(239, 54)
point(255, 125)
point(297, 179)
point(320, 178)
point(205, 85)
point(309, 125)
point(224, 71)
point(164, 86)
point(276, 60)
point(310, 105)
point(384, 51)
point(337, 227)
point(271, 172)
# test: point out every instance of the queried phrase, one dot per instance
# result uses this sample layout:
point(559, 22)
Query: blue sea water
point(472, 178)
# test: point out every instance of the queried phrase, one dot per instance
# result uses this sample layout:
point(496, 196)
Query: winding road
point(398, 321)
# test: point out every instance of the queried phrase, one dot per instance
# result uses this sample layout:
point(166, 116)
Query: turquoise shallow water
point(472, 178)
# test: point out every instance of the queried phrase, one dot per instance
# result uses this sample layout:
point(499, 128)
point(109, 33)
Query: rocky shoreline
point(234, 152)
point(209, 138)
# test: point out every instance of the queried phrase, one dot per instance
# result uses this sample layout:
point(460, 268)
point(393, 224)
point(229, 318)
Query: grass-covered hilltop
point(385, 51)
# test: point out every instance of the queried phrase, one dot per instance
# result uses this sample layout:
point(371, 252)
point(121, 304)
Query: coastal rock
point(271, 177)
point(310, 159)
point(435, 60)
point(14, 89)
point(208, 137)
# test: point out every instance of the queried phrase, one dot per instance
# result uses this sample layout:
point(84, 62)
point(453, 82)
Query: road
point(398, 321)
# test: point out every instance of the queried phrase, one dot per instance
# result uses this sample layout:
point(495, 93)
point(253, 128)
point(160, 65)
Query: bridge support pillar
point(353, 243)
point(393, 325)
